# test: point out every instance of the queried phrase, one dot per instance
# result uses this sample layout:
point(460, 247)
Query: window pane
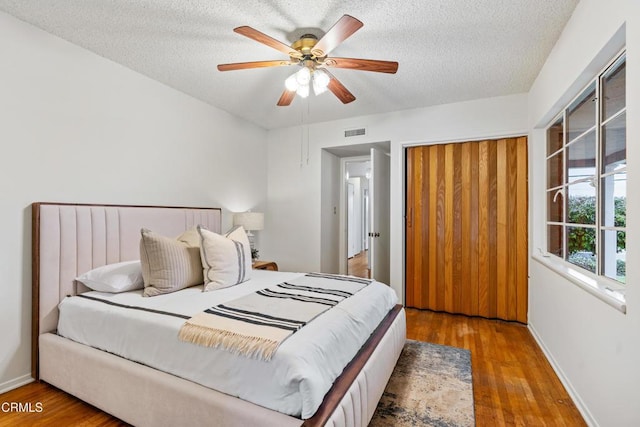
point(614, 144)
point(554, 137)
point(581, 246)
point(613, 90)
point(554, 239)
point(581, 203)
point(555, 207)
point(582, 113)
point(614, 200)
point(554, 170)
point(614, 262)
point(581, 159)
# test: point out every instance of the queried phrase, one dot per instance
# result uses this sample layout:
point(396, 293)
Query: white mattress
point(294, 382)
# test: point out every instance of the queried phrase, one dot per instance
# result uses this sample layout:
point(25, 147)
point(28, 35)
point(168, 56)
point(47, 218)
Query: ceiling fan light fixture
point(303, 76)
point(311, 53)
point(320, 82)
point(303, 91)
point(318, 89)
point(291, 83)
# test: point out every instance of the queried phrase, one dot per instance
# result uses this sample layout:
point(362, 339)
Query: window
point(587, 177)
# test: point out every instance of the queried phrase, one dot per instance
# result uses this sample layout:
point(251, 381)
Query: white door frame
point(342, 208)
point(350, 220)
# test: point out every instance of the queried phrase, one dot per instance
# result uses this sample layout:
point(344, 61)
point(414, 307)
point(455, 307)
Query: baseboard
point(15, 383)
point(582, 408)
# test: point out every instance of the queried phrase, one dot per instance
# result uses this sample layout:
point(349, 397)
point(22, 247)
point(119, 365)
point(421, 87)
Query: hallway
point(358, 265)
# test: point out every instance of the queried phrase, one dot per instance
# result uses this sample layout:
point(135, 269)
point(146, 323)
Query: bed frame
point(69, 239)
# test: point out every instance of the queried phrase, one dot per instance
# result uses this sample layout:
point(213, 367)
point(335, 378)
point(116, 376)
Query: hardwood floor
point(513, 384)
point(58, 409)
point(358, 265)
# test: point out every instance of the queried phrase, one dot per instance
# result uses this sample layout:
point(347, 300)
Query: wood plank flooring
point(513, 384)
point(58, 409)
point(358, 265)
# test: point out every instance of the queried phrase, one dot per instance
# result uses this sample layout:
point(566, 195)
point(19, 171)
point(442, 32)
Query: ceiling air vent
point(353, 132)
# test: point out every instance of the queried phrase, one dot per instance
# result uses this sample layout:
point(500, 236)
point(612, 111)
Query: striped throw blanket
point(256, 324)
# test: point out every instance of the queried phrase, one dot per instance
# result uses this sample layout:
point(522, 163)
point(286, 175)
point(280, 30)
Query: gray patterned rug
point(430, 386)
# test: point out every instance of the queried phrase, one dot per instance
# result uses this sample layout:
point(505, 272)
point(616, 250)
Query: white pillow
point(226, 260)
point(114, 278)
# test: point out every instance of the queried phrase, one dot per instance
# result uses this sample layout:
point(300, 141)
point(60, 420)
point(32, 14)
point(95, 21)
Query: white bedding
point(294, 382)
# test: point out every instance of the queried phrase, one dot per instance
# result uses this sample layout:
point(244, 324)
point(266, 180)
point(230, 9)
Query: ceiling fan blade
point(341, 30)
point(266, 40)
point(255, 64)
point(363, 64)
point(339, 90)
point(286, 98)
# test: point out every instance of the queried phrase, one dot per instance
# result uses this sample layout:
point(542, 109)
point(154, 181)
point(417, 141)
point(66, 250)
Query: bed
point(69, 239)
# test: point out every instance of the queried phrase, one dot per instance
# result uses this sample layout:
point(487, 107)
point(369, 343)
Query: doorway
point(357, 175)
point(334, 246)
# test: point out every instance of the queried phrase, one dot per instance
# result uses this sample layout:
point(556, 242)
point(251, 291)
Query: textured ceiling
point(448, 50)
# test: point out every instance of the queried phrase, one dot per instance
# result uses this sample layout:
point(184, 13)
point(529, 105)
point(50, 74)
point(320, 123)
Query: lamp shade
point(251, 221)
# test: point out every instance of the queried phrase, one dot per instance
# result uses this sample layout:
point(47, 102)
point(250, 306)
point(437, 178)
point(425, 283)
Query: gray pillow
point(168, 265)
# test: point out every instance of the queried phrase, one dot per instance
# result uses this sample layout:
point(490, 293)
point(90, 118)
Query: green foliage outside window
point(582, 241)
point(582, 211)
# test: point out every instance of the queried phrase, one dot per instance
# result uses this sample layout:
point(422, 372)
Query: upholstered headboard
point(70, 239)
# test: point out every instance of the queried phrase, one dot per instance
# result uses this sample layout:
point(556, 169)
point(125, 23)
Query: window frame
point(613, 288)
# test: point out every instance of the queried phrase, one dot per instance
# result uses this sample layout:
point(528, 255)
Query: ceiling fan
point(310, 54)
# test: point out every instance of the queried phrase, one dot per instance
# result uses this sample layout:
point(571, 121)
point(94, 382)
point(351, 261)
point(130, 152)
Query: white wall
point(594, 348)
point(76, 127)
point(294, 186)
point(330, 216)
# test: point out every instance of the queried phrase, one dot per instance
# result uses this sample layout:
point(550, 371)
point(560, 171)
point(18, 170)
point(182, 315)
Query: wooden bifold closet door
point(466, 228)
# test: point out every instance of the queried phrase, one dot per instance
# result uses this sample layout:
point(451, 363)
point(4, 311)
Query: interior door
point(379, 200)
point(466, 228)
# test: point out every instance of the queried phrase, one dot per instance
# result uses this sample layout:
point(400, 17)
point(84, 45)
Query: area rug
point(430, 386)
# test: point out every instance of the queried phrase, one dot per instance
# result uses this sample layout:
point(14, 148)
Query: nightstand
point(265, 265)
